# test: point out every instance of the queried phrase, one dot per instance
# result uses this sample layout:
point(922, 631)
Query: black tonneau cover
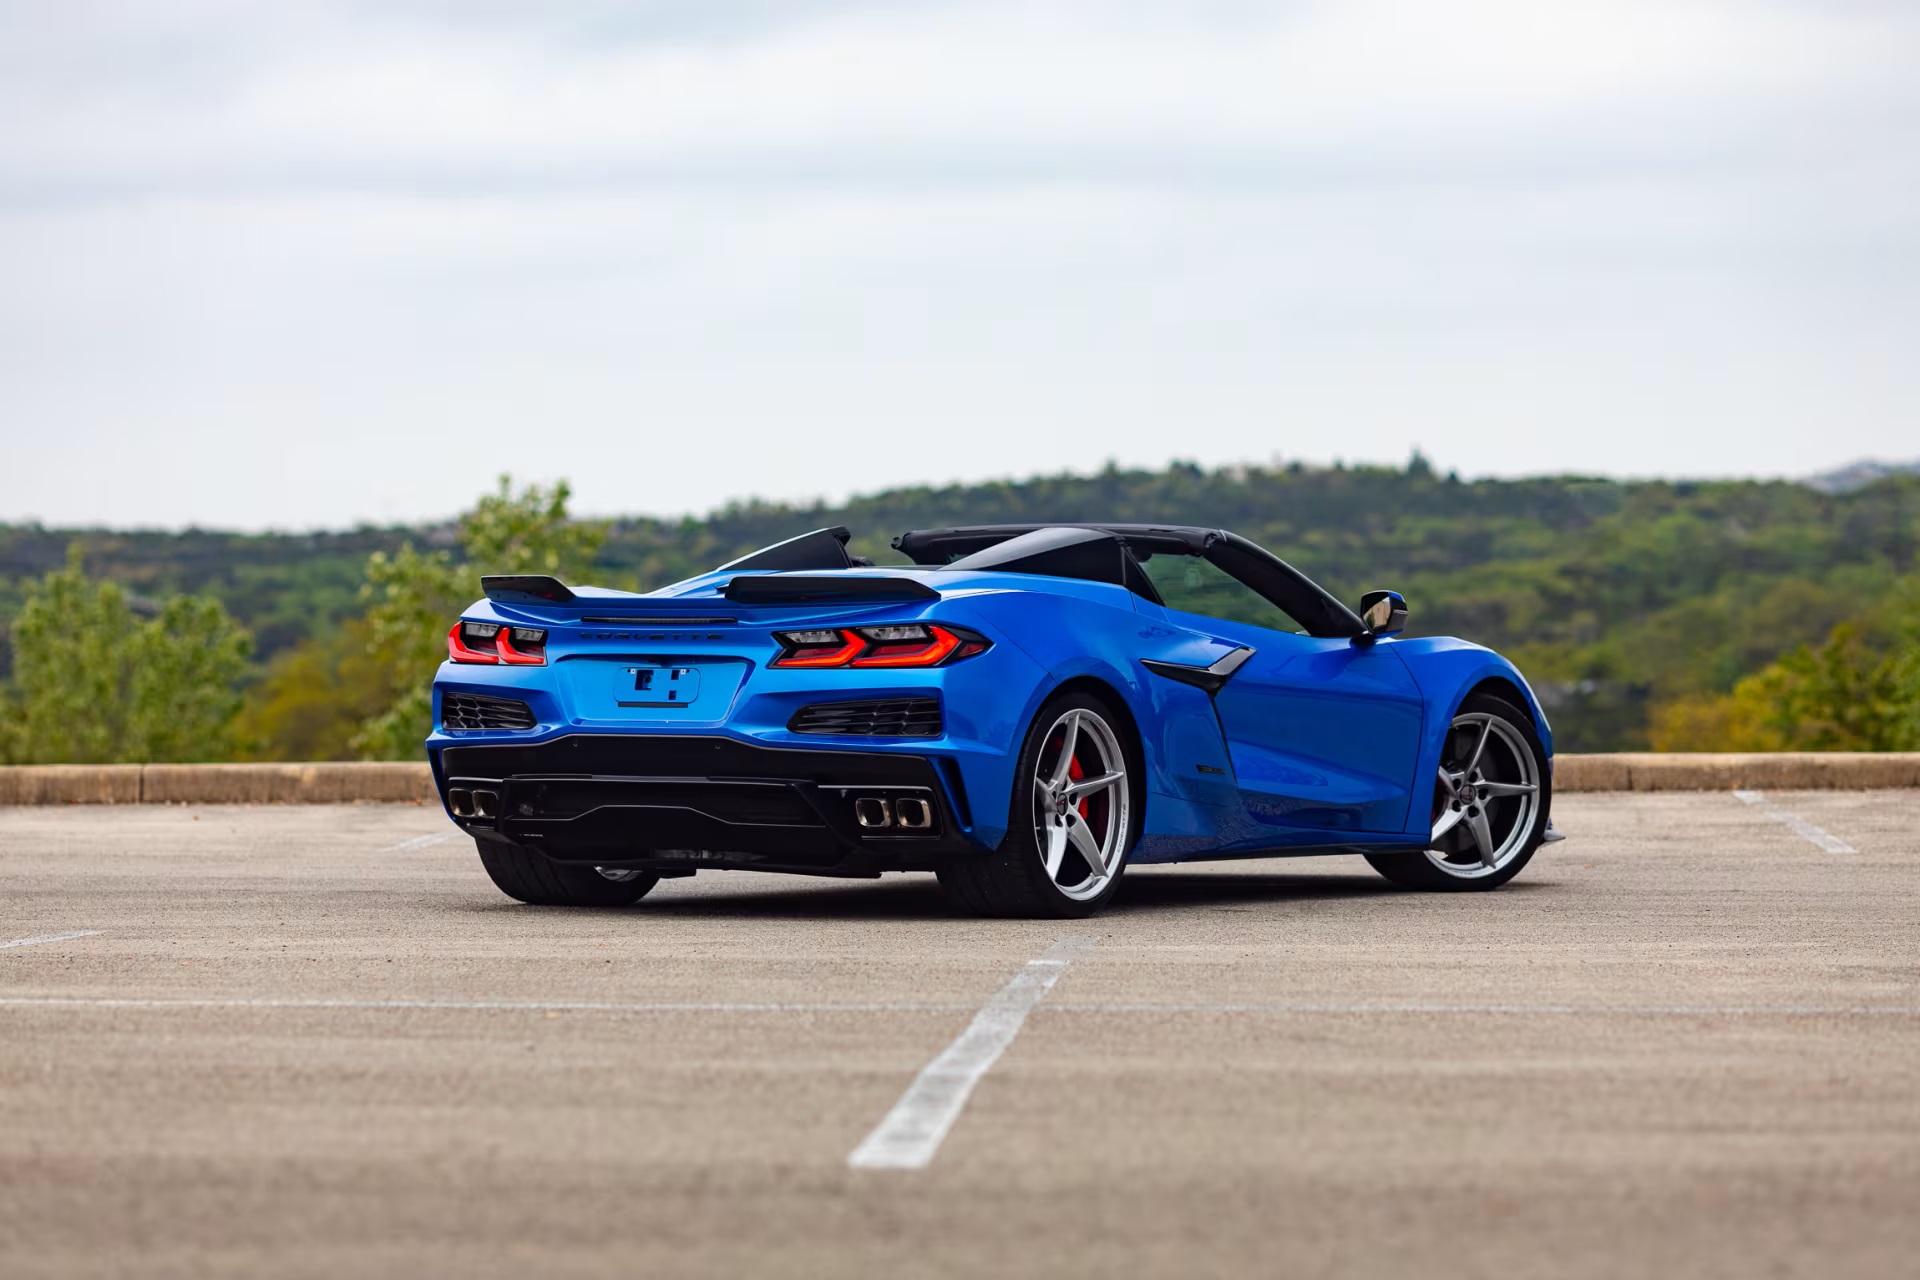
point(820, 549)
point(941, 546)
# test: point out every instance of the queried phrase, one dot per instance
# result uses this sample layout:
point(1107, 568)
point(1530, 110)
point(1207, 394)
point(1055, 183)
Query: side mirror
point(1384, 612)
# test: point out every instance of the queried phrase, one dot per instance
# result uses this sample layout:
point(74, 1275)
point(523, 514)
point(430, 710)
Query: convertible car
point(1025, 710)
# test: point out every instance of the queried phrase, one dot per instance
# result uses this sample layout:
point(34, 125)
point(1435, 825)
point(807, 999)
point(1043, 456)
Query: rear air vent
point(477, 711)
point(891, 718)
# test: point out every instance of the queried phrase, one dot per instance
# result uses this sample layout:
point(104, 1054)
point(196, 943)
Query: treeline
point(1647, 613)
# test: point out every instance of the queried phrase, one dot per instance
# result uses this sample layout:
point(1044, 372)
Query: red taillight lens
point(473, 642)
point(817, 648)
point(492, 644)
point(905, 645)
point(523, 646)
point(929, 648)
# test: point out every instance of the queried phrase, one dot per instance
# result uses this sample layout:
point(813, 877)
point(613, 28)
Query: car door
point(1323, 734)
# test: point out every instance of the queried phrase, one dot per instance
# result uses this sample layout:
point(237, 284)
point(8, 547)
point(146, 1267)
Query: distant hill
point(1859, 475)
point(1610, 594)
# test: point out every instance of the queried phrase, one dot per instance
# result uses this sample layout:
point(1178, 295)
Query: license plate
point(660, 687)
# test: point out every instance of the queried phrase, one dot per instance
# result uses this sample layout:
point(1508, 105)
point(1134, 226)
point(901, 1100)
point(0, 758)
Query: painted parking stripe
point(51, 937)
point(1424, 1009)
point(1795, 823)
point(1363, 1008)
point(419, 842)
point(479, 1006)
point(911, 1133)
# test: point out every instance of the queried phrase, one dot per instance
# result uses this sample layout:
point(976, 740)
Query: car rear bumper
point(676, 800)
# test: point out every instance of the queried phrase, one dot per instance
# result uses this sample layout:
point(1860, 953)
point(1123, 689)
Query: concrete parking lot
point(316, 1041)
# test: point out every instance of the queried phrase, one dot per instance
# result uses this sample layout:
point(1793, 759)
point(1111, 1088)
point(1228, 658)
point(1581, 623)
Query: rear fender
point(1096, 639)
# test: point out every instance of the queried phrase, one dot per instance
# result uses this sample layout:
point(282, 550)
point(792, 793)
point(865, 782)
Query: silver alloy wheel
point(1486, 799)
point(1081, 804)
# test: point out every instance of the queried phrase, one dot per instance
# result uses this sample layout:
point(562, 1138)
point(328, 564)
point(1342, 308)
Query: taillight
point(523, 646)
point(817, 648)
point(905, 645)
point(493, 644)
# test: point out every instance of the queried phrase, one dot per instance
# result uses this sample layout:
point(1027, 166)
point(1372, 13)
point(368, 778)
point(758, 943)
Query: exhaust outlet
point(486, 804)
point(913, 814)
point(872, 813)
point(461, 802)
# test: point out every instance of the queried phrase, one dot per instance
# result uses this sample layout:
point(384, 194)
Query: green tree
point(1859, 690)
point(1616, 598)
point(315, 698)
point(415, 597)
point(93, 683)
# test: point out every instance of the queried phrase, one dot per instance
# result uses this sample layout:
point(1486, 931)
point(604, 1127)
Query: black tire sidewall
point(531, 877)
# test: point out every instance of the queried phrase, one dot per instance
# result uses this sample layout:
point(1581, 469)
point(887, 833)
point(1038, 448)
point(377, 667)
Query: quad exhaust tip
point(473, 804)
point(906, 813)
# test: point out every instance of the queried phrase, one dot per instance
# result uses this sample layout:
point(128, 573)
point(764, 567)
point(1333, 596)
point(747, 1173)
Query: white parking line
point(1795, 823)
point(912, 1132)
point(1278, 1007)
point(484, 1006)
point(1516, 1010)
point(851, 1006)
point(50, 937)
point(420, 842)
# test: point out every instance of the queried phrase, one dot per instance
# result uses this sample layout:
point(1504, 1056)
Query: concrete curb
point(1772, 771)
point(339, 782)
point(70, 784)
point(326, 782)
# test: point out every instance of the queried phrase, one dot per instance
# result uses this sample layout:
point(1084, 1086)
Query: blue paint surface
point(1313, 743)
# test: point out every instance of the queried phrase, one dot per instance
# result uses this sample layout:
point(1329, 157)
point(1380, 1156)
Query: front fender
point(1447, 671)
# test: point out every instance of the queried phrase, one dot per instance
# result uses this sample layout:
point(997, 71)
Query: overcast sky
point(297, 264)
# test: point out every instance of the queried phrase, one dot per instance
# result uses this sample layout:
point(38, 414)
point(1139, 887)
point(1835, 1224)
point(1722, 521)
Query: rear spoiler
point(797, 589)
point(525, 589)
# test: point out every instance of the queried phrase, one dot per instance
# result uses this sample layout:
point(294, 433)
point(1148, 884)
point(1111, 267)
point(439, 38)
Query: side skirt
point(1297, 851)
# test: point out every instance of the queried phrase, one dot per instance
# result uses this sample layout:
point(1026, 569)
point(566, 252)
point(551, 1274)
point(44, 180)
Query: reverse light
point(491, 644)
point(900, 645)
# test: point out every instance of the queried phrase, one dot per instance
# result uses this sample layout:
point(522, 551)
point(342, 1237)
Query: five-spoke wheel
point(1074, 818)
point(1489, 802)
point(1080, 803)
point(1486, 796)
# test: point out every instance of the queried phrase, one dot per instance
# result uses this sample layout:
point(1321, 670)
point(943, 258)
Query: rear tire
point(1070, 803)
point(1515, 793)
point(537, 880)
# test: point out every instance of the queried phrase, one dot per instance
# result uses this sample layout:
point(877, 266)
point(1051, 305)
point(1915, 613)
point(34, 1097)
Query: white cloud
point(386, 251)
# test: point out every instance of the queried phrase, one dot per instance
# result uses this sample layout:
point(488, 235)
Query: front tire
point(1075, 818)
point(1490, 803)
point(538, 881)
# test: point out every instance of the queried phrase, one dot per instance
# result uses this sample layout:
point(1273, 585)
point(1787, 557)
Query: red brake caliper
point(1075, 773)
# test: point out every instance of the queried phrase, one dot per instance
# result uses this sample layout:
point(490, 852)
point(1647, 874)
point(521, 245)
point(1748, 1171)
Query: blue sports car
point(1025, 710)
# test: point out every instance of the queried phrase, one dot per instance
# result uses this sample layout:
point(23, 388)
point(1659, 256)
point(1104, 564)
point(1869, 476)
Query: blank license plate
point(661, 687)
